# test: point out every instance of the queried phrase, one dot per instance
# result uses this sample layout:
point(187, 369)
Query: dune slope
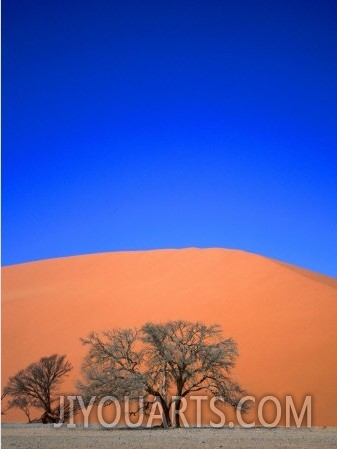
point(282, 317)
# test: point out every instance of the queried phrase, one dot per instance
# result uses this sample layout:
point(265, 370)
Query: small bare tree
point(36, 386)
point(162, 362)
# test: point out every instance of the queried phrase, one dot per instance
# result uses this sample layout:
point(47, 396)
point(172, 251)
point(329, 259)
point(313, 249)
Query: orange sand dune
point(283, 317)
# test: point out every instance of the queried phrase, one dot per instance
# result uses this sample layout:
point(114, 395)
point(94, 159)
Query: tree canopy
point(164, 362)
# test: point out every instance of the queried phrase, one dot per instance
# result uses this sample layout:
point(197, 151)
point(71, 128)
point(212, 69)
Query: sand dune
point(283, 317)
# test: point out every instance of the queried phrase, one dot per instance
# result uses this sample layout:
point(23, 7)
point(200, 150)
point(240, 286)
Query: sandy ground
point(237, 438)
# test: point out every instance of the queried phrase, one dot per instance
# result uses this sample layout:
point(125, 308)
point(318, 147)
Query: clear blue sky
point(165, 124)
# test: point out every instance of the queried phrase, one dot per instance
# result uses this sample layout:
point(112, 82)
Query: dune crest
point(282, 317)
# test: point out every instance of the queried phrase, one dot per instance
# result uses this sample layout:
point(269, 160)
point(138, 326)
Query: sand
point(33, 438)
point(282, 317)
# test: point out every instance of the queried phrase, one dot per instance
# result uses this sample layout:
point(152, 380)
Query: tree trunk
point(177, 414)
point(166, 411)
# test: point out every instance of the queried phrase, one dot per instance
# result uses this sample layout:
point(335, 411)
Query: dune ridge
point(283, 317)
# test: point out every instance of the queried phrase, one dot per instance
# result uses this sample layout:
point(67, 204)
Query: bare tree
point(36, 386)
point(162, 362)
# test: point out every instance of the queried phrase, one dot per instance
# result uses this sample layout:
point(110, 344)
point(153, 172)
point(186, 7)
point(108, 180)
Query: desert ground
point(282, 317)
point(25, 437)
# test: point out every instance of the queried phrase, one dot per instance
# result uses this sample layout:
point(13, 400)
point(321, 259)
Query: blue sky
point(145, 124)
